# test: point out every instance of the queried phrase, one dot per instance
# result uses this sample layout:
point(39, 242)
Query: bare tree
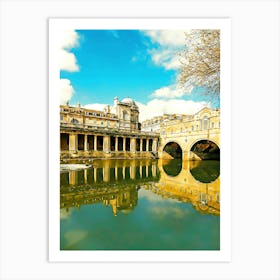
point(200, 61)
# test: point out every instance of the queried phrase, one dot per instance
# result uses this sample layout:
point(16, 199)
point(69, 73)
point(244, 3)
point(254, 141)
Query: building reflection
point(113, 183)
point(202, 190)
point(116, 184)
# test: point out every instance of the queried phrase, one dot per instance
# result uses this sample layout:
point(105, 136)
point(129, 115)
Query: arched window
point(125, 115)
point(74, 121)
point(205, 123)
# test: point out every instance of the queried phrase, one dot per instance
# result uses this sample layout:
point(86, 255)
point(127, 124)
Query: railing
point(88, 114)
point(190, 132)
point(106, 129)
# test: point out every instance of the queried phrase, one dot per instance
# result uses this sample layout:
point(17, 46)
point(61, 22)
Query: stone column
point(132, 171)
point(116, 173)
point(124, 143)
point(106, 174)
point(85, 142)
point(141, 144)
point(133, 145)
point(73, 142)
point(95, 143)
point(147, 145)
point(106, 144)
point(116, 143)
point(73, 176)
point(154, 147)
point(123, 172)
point(95, 174)
point(85, 175)
point(154, 170)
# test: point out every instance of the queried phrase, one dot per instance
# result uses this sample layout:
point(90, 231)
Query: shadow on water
point(205, 171)
point(172, 167)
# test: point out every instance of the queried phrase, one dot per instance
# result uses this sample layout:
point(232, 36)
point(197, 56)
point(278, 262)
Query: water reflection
point(205, 171)
point(172, 167)
point(140, 205)
point(202, 191)
point(116, 184)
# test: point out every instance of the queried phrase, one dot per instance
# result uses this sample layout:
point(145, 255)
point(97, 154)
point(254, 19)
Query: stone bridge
point(204, 126)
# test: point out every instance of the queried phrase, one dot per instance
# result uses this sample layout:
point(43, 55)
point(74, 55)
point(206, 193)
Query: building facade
point(189, 132)
point(154, 124)
point(116, 132)
point(113, 132)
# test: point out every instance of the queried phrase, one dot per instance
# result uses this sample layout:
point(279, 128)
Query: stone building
point(155, 123)
point(123, 115)
point(205, 119)
point(192, 136)
point(113, 132)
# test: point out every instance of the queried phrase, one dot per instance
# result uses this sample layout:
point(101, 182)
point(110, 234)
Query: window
point(61, 117)
point(205, 122)
point(74, 121)
point(192, 128)
point(125, 115)
point(212, 125)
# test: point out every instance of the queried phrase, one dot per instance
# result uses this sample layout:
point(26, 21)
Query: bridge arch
point(188, 141)
point(173, 150)
point(204, 149)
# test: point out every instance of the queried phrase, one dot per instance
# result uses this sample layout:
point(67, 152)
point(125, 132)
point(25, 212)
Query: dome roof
point(129, 101)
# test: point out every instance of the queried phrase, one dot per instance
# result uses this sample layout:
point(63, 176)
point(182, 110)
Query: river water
point(141, 205)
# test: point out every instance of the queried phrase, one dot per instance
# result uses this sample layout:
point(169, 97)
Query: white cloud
point(170, 92)
point(167, 58)
point(66, 90)
point(96, 106)
point(173, 38)
point(68, 39)
point(170, 42)
point(68, 61)
point(158, 107)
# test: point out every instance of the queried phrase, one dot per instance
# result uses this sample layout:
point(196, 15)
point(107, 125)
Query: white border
point(224, 254)
point(255, 95)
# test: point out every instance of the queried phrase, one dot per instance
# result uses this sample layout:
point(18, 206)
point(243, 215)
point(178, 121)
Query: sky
point(98, 65)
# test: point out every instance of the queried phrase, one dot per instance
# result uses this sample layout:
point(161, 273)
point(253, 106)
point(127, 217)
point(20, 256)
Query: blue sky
point(97, 65)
